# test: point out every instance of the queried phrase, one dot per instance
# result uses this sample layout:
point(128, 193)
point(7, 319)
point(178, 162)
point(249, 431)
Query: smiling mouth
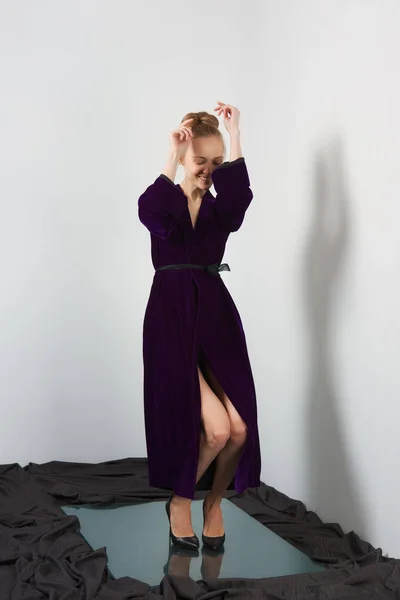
point(203, 178)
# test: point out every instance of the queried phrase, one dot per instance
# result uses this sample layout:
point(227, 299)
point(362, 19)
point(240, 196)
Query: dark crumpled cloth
point(43, 556)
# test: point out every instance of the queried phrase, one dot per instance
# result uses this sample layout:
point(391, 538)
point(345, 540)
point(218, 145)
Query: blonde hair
point(204, 124)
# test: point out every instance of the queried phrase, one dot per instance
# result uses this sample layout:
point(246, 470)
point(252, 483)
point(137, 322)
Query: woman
point(199, 397)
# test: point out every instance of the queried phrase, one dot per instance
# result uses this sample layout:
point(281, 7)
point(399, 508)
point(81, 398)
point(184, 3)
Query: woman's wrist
point(235, 145)
point(171, 166)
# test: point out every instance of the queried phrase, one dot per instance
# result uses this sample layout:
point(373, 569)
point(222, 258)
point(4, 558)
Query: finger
point(229, 107)
point(186, 121)
point(188, 132)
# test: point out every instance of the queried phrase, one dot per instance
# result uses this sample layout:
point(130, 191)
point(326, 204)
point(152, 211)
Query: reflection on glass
point(179, 562)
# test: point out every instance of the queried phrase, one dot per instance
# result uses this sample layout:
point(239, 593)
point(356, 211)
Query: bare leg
point(227, 461)
point(228, 458)
point(216, 427)
point(214, 437)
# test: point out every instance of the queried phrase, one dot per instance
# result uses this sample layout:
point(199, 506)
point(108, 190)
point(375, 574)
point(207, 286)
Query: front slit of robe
point(232, 399)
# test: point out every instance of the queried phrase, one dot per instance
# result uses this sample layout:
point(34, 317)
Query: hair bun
point(207, 119)
point(202, 120)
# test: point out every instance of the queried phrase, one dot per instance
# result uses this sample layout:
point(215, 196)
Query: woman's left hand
point(231, 116)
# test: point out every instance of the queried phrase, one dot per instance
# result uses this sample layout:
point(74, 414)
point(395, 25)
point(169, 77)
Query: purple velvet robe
point(191, 317)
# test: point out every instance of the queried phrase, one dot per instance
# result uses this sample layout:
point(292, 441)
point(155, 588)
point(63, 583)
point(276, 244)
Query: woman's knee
point(215, 419)
point(218, 435)
point(238, 433)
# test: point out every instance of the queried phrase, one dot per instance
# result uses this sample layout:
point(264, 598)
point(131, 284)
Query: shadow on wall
point(332, 488)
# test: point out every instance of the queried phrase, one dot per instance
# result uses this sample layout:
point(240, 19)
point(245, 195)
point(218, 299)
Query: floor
point(137, 544)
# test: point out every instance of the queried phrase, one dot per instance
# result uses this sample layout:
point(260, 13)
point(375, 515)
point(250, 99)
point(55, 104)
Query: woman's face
point(203, 155)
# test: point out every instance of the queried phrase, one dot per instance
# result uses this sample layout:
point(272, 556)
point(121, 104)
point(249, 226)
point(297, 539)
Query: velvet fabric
point(191, 319)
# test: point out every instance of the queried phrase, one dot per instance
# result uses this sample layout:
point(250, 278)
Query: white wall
point(89, 91)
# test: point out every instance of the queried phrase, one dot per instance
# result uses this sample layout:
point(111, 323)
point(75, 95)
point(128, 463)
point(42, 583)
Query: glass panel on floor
point(136, 538)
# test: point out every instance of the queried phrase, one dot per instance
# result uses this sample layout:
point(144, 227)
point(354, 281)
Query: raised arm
point(231, 179)
point(162, 204)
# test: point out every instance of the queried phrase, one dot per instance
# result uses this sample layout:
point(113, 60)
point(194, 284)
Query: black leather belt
point(212, 269)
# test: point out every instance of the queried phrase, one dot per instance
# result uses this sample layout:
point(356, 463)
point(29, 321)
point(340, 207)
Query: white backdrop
point(89, 91)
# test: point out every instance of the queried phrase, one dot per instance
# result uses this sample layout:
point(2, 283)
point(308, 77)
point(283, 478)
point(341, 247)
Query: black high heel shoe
point(190, 542)
point(215, 543)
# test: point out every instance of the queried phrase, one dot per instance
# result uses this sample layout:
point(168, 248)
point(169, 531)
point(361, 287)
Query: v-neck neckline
point(193, 227)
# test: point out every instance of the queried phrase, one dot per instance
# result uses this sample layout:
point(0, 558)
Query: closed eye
point(201, 160)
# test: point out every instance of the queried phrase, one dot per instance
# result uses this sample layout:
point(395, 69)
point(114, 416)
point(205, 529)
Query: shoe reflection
point(179, 560)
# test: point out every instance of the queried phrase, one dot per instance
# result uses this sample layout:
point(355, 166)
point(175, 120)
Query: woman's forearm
point(235, 145)
point(171, 166)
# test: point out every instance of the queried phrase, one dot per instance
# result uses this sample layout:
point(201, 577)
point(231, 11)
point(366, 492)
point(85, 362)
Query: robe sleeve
point(232, 185)
point(160, 206)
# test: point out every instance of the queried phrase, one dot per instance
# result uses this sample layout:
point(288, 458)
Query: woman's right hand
point(180, 138)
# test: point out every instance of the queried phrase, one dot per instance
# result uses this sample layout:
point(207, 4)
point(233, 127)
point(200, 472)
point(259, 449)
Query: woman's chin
point(204, 183)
